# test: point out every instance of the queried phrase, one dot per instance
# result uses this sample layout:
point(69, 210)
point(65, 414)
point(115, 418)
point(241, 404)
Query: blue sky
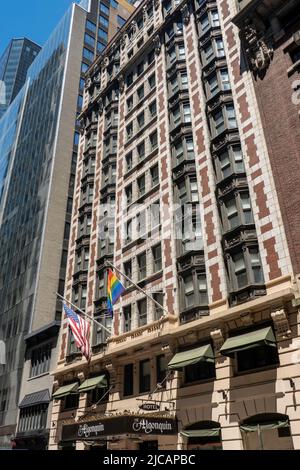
point(34, 19)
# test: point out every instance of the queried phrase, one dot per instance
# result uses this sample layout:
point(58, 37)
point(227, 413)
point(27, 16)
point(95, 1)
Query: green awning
point(253, 339)
point(65, 391)
point(91, 384)
point(264, 426)
point(192, 356)
point(212, 432)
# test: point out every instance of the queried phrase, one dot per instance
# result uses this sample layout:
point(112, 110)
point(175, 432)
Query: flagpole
point(138, 287)
point(83, 313)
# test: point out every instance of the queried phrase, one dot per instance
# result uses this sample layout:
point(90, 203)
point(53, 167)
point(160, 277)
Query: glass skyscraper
point(38, 152)
point(14, 63)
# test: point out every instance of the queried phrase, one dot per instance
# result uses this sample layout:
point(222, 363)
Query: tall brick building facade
point(183, 183)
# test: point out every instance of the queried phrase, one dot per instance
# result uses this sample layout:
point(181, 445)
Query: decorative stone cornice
point(218, 339)
point(281, 323)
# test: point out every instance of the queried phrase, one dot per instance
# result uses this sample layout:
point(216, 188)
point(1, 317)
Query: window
point(220, 47)
point(141, 120)
point(71, 401)
point(295, 54)
point(231, 116)
point(215, 19)
point(159, 298)
point(153, 140)
point(262, 356)
point(256, 266)
point(151, 57)
point(225, 79)
point(84, 67)
point(181, 52)
point(174, 85)
point(126, 318)
point(190, 148)
point(129, 102)
point(200, 371)
point(225, 164)
point(128, 272)
point(89, 40)
point(87, 54)
point(189, 294)
point(152, 109)
point(154, 175)
point(141, 182)
point(40, 360)
point(240, 270)
point(79, 101)
point(103, 35)
point(204, 22)
point(129, 231)
point(157, 258)
point(154, 215)
point(91, 26)
point(128, 194)
point(145, 376)
point(128, 380)
point(161, 369)
point(33, 418)
point(142, 266)
point(129, 79)
point(104, 8)
point(100, 334)
point(100, 46)
point(76, 138)
point(152, 81)
point(213, 85)
point(246, 207)
point(128, 159)
point(176, 116)
point(103, 21)
point(142, 312)
point(208, 52)
point(129, 131)
point(184, 81)
point(219, 124)
point(202, 286)
point(140, 68)
point(81, 84)
point(141, 150)
point(232, 213)
point(140, 92)
point(141, 224)
point(186, 113)
point(114, 3)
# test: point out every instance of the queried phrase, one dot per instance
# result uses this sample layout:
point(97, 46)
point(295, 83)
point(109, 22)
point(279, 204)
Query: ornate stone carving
point(145, 16)
point(258, 53)
point(111, 368)
point(157, 44)
point(156, 4)
point(281, 323)
point(133, 27)
point(80, 376)
point(121, 83)
point(246, 318)
point(185, 13)
point(100, 105)
point(123, 41)
point(218, 339)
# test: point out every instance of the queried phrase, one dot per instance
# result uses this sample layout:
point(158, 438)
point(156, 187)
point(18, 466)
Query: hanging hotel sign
point(149, 407)
point(120, 425)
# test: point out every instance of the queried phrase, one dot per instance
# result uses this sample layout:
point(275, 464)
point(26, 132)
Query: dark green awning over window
point(192, 356)
point(253, 339)
point(202, 432)
point(264, 426)
point(91, 384)
point(66, 390)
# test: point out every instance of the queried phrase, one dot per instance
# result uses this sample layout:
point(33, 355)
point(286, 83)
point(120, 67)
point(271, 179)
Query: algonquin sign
point(120, 425)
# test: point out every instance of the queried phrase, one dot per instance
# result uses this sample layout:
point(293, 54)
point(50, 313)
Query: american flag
point(81, 331)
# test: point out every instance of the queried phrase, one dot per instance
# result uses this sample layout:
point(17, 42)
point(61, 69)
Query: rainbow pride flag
point(114, 290)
